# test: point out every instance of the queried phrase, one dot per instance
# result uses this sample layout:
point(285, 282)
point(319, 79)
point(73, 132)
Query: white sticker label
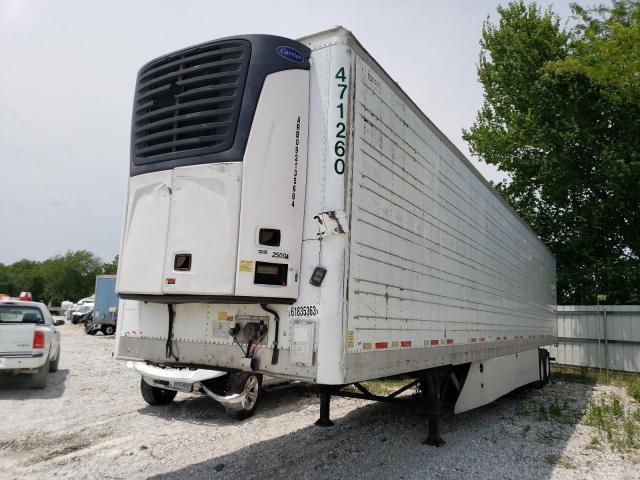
point(304, 311)
point(302, 347)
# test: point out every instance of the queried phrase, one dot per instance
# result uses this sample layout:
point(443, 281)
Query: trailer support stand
point(431, 389)
point(325, 403)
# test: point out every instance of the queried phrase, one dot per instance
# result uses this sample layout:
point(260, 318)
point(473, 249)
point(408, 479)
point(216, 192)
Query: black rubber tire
point(156, 396)
point(40, 379)
point(544, 368)
point(108, 330)
point(237, 383)
point(91, 332)
point(53, 366)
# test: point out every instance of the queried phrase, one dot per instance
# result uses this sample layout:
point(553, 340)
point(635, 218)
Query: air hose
point(276, 319)
point(169, 345)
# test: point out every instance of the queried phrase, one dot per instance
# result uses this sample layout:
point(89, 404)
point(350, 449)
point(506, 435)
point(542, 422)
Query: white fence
point(605, 336)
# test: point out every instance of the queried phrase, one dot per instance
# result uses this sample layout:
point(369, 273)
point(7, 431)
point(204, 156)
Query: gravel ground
point(91, 422)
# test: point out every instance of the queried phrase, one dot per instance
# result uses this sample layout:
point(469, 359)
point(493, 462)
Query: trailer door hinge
point(332, 223)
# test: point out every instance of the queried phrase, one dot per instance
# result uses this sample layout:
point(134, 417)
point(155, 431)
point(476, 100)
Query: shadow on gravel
point(512, 438)
point(203, 410)
point(18, 387)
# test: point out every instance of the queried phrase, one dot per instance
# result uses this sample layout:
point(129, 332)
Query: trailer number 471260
point(339, 146)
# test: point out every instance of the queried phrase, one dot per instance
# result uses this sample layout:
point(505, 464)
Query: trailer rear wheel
point(156, 395)
point(544, 368)
point(249, 384)
point(547, 366)
point(108, 330)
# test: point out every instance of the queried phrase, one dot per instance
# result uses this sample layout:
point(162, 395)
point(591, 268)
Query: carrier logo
point(290, 54)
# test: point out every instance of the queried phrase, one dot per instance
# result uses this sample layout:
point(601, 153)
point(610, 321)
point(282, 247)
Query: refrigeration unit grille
point(187, 103)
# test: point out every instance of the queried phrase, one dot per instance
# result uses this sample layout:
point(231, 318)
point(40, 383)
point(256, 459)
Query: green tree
point(110, 268)
point(25, 276)
point(64, 277)
point(70, 276)
point(6, 284)
point(561, 117)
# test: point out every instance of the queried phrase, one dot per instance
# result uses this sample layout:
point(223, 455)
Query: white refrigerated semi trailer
point(291, 212)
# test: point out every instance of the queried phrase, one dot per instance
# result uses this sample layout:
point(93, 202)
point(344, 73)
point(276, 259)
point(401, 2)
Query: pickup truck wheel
point(250, 385)
point(39, 380)
point(155, 395)
point(53, 366)
point(108, 330)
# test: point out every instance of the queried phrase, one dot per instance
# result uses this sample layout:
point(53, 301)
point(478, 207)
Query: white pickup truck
point(29, 340)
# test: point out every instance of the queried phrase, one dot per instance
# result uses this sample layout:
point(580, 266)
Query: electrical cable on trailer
point(169, 345)
point(234, 334)
point(276, 319)
point(253, 338)
point(235, 340)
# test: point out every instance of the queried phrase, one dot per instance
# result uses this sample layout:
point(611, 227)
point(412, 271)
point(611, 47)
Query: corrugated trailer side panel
point(442, 271)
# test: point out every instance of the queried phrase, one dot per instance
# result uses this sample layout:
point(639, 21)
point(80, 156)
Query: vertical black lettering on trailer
point(295, 164)
point(339, 146)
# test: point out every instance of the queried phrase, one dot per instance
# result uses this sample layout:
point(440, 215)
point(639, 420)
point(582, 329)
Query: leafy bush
point(634, 391)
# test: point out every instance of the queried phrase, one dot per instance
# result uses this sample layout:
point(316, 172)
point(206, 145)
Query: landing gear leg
point(325, 402)
point(431, 389)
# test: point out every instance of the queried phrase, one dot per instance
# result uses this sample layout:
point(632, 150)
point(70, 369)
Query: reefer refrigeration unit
point(292, 212)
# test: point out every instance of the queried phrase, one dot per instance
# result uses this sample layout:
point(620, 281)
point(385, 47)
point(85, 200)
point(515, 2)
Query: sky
point(68, 69)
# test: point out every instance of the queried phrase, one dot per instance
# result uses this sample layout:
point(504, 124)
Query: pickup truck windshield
point(18, 314)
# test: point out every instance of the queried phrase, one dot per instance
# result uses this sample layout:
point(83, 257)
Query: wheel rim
point(251, 390)
point(109, 330)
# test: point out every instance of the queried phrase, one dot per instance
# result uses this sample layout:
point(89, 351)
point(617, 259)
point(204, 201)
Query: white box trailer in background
point(292, 212)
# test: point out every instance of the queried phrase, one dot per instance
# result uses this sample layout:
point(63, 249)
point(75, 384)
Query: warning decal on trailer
point(246, 265)
point(350, 338)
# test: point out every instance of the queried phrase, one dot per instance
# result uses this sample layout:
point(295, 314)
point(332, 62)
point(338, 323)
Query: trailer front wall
point(442, 271)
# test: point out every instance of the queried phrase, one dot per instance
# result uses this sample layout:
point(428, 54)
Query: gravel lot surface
point(91, 422)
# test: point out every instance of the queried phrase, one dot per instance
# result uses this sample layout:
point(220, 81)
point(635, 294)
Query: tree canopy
point(561, 117)
point(71, 276)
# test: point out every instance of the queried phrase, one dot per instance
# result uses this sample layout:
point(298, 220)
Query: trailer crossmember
point(367, 395)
